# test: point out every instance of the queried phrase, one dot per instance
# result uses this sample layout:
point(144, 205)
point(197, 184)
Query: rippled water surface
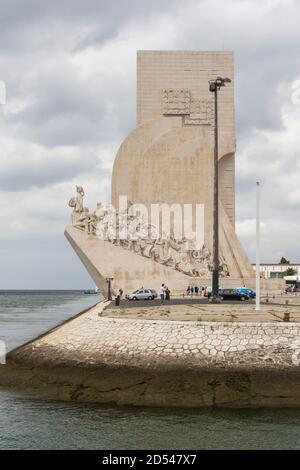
point(27, 423)
point(25, 314)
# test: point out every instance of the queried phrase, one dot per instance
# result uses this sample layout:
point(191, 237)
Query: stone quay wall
point(170, 363)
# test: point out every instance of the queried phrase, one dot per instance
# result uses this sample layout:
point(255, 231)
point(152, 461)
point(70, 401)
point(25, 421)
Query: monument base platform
point(100, 359)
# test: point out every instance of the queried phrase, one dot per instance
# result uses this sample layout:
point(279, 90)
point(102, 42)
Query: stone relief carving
point(180, 102)
point(142, 238)
point(77, 203)
point(176, 101)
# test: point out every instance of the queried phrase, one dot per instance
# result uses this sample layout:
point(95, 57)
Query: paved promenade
point(92, 338)
point(199, 309)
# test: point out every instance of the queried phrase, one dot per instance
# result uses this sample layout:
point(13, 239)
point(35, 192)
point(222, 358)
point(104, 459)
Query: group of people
point(164, 293)
point(195, 290)
point(291, 289)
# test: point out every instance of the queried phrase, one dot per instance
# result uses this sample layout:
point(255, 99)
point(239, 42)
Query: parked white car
point(208, 291)
point(142, 294)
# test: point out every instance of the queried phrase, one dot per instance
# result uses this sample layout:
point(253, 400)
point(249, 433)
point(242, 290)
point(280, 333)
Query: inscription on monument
point(201, 113)
point(178, 102)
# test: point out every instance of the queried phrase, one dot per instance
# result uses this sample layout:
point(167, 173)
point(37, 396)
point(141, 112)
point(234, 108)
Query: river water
point(27, 423)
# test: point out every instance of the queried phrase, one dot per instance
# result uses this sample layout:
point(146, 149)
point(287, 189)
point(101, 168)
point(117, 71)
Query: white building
point(273, 271)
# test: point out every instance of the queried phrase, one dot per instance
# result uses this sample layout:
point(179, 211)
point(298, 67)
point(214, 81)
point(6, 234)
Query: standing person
point(188, 291)
point(121, 293)
point(168, 292)
point(162, 293)
point(192, 291)
point(203, 291)
point(196, 290)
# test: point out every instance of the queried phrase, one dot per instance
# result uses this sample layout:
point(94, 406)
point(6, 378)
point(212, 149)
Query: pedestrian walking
point(162, 293)
point(168, 292)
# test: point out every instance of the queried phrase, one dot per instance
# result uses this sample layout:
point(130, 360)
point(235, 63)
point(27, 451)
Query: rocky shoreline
point(160, 363)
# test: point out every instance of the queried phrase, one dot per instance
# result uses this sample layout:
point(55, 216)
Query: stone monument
point(168, 161)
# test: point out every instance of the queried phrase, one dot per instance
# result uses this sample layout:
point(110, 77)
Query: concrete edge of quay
point(159, 363)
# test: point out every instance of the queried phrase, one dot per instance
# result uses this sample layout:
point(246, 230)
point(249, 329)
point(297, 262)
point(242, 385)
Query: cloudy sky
point(69, 69)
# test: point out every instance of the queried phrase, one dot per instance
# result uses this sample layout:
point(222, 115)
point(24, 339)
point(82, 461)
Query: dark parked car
point(231, 294)
point(245, 290)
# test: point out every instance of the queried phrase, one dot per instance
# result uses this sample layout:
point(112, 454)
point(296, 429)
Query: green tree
point(284, 261)
point(289, 272)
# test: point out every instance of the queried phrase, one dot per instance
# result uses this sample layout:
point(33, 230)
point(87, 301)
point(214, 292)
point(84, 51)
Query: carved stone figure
point(76, 202)
point(72, 203)
point(178, 254)
point(92, 223)
point(79, 199)
point(82, 220)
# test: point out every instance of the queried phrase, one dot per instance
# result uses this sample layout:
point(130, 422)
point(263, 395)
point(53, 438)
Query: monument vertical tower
point(168, 158)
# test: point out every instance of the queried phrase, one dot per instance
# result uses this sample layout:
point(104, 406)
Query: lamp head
point(212, 86)
point(216, 84)
point(224, 79)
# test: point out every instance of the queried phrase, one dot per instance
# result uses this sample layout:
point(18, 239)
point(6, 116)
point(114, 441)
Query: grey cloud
point(265, 44)
point(92, 21)
point(64, 109)
point(46, 171)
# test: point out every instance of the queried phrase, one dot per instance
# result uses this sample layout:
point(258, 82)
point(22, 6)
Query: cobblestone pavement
point(92, 339)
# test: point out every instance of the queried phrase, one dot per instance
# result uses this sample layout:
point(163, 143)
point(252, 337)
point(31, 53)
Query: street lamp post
point(257, 299)
point(108, 280)
point(214, 87)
